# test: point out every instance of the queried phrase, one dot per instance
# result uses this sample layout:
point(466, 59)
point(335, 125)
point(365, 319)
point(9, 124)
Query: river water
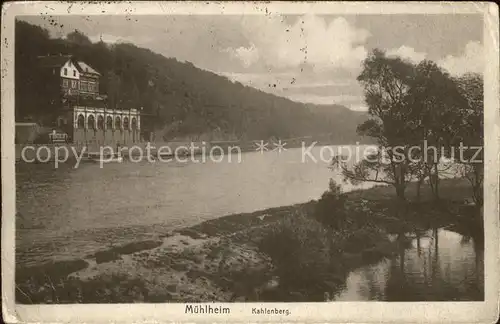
point(70, 212)
point(67, 213)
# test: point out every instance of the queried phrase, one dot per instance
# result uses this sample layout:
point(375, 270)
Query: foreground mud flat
point(217, 260)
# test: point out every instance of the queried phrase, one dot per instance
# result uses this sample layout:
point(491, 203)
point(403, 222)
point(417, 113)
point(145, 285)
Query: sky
point(307, 58)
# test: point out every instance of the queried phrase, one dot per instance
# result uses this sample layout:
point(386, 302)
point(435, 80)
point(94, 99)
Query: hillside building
point(82, 111)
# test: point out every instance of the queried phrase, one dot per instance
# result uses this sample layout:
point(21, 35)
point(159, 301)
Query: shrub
point(301, 250)
point(330, 209)
point(105, 288)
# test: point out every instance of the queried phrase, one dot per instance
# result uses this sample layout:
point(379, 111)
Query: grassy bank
point(292, 253)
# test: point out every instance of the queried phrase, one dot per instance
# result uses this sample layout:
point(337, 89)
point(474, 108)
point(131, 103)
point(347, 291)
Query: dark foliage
point(330, 210)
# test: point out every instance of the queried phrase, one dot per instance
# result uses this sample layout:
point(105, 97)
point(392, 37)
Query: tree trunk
point(400, 191)
point(419, 187)
point(419, 249)
point(477, 195)
point(477, 188)
point(436, 183)
point(433, 184)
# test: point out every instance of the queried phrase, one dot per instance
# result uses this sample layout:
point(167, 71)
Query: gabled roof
point(84, 67)
point(53, 60)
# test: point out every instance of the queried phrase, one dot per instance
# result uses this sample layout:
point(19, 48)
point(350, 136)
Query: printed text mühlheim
point(206, 309)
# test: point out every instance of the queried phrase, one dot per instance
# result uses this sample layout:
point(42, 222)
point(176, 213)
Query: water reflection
point(436, 265)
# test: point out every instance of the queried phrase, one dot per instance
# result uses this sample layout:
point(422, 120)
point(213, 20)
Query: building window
point(81, 121)
point(83, 86)
point(92, 87)
point(125, 123)
point(74, 84)
point(118, 123)
point(109, 122)
point(65, 71)
point(91, 122)
point(74, 73)
point(134, 123)
point(100, 122)
point(65, 83)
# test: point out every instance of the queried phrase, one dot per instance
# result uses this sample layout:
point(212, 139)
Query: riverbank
point(278, 254)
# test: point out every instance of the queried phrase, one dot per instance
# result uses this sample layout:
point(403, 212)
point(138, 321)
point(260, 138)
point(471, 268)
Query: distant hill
point(182, 100)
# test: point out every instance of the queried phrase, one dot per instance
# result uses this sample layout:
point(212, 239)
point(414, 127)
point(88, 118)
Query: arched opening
point(100, 122)
point(125, 123)
point(81, 121)
point(109, 122)
point(134, 128)
point(90, 122)
point(118, 123)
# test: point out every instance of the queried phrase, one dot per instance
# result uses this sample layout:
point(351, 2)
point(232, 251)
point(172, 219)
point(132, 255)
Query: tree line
point(420, 117)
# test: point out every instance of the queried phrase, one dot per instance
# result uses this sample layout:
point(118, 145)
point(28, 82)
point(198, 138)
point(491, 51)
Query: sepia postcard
point(326, 162)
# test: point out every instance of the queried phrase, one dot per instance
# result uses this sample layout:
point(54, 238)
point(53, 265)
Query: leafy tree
point(435, 100)
point(387, 83)
point(471, 133)
point(31, 41)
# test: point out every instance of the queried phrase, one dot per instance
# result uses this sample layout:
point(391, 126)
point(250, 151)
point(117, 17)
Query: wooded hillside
point(185, 100)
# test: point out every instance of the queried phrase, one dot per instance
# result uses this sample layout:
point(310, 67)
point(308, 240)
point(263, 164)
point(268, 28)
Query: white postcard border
point(366, 312)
